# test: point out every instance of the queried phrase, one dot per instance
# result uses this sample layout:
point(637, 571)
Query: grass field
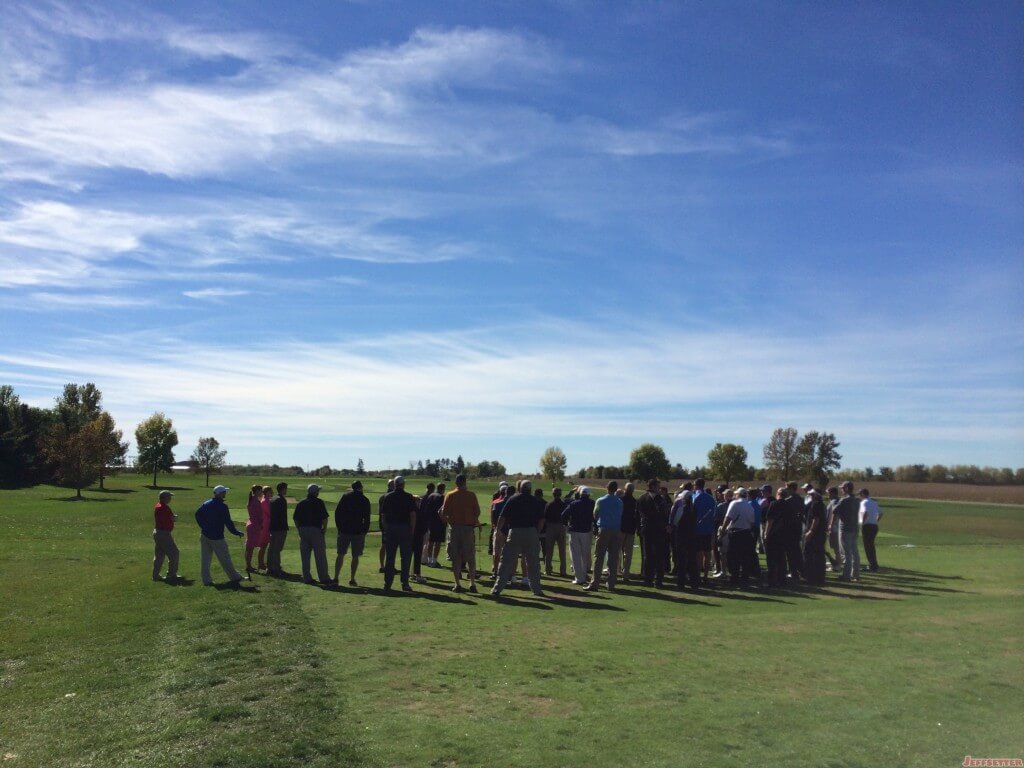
point(919, 665)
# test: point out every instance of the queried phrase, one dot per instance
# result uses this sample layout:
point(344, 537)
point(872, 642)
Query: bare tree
point(208, 456)
point(780, 454)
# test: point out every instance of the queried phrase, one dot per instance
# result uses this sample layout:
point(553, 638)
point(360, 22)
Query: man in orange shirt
point(461, 511)
point(163, 541)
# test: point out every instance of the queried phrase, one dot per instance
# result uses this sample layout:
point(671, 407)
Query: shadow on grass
point(506, 599)
point(237, 586)
point(81, 499)
point(179, 582)
point(585, 604)
point(667, 594)
point(113, 490)
point(166, 488)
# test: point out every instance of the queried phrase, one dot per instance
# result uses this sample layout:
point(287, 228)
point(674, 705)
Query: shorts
point(438, 529)
point(705, 542)
point(358, 542)
point(462, 544)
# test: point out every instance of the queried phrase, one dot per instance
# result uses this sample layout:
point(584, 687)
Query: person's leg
point(353, 568)
point(417, 551)
point(248, 557)
point(855, 551)
point(602, 550)
point(614, 557)
point(173, 555)
point(507, 558)
point(469, 554)
point(549, 549)
point(220, 549)
point(274, 553)
point(406, 547)
point(732, 557)
point(205, 555)
point(339, 561)
point(497, 544)
point(532, 552)
point(261, 558)
point(577, 553)
point(305, 549)
point(588, 554)
point(390, 550)
point(627, 554)
point(680, 559)
point(159, 553)
point(868, 533)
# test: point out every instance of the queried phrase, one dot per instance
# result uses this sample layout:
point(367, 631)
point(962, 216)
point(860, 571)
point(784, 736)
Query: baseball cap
point(584, 491)
point(219, 489)
point(166, 493)
point(721, 487)
point(399, 481)
point(502, 484)
point(312, 488)
point(807, 487)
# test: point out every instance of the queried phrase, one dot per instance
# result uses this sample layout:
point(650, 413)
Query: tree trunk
point(154, 474)
point(207, 475)
point(78, 493)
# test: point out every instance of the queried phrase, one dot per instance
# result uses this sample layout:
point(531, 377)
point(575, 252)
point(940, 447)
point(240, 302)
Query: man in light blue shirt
point(608, 519)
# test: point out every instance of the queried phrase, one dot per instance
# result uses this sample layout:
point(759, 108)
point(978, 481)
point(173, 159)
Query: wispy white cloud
point(44, 300)
point(215, 293)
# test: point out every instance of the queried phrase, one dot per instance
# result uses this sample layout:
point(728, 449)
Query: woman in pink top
point(257, 529)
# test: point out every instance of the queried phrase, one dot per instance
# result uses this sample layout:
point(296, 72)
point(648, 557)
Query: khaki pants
point(579, 551)
point(277, 539)
point(311, 541)
point(627, 552)
point(555, 535)
point(164, 547)
point(521, 542)
point(207, 549)
point(608, 543)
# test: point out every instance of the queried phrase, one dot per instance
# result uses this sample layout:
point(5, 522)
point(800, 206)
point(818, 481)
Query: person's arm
point(324, 518)
point(366, 517)
point(412, 514)
point(443, 512)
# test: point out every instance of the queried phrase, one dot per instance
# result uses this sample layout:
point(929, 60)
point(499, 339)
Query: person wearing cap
point(683, 522)
point(310, 517)
point(524, 515)
point(704, 507)
point(630, 526)
point(398, 511)
point(653, 513)
point(499, 497)
point(814, 540)
point(213, 517)
point(352, 519)
point(846, 514)
point(278, 530)
point(554, 534)
point(420, 544)
point(498, 532)
point(608, 521)
point(438, 529)
point(869, 515)
point(460, 509)
point(775, 522)
point(724, 496)
point(739, 526)
point(163, 540)
point(578, 519)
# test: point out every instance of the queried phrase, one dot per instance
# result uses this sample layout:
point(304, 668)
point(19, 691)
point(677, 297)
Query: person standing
point(630, 524)
point(704, 508)
point(460, 509)
point(163, 539)
point(724, 496)
point(846, 513)
point(438, 530)
point(524, 514)
point(608, 521)
point(310, 518)
point(774, 518)
point(739, 525)
point(653, 513)
point(498, 532)
point(835, 559)
point(380, 520)
point(213, 517)
point(683, 521)
point(398, 512)
point(869, 515)
point(794, 531)
point(814, 540)
point(420, 534)
point(352, 519)
point(554, 533)
point(278, 530)
point(578, 519)
point(257, 535)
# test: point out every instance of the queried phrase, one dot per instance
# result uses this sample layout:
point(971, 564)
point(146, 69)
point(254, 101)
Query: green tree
point(727, 461)
point(78, 404)
point(112, 448)
point(15, 438)
point(360, 468)
point(553, 464)
point(208, 457)
point(817, 456)
point(76, 454)
point(156, 439)
point(780, 456)
point(648, 461)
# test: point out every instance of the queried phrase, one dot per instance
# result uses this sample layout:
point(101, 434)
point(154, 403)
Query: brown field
point(987, 494)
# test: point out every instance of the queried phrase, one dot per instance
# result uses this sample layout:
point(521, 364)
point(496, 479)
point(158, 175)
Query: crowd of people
point(698, 536)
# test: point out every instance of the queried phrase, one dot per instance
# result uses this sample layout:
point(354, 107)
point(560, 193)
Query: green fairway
point(918, 665)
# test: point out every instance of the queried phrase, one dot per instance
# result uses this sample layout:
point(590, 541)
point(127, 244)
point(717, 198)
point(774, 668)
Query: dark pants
point(277, 540)
point(775, 557)
point(743, 557)
point(397, 538)
point(794, 555)
point(687, 566)
point(655, 553)
point(868, 533)
point(814, 561)
point(418, 536)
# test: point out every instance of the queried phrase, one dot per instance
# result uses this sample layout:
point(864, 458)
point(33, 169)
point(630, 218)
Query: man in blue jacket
point(213, 517)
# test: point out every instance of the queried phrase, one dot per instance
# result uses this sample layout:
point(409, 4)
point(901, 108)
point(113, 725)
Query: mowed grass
point(919, 665)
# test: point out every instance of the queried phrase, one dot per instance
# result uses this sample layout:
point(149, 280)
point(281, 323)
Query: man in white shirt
point(739, 524)
point(869, 515)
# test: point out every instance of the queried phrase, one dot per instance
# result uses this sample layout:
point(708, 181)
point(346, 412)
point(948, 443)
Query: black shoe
point(472, 589)
point(381, 570)
point(457, 588)
point(308, 581)
point(406, 588)
point(352, 583)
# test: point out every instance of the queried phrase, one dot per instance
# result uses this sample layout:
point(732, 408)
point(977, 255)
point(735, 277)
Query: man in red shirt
point(163, 540)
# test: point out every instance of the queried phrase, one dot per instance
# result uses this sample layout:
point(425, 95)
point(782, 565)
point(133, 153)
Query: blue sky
point(326, 231)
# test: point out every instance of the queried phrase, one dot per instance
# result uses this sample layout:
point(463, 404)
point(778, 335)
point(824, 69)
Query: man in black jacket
point(653, 513)
point(310, 518)
point(794, 532)
point(278, 530)
point(630, 525)
point(352, 519)
point(398, 514)
point(554, 532)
